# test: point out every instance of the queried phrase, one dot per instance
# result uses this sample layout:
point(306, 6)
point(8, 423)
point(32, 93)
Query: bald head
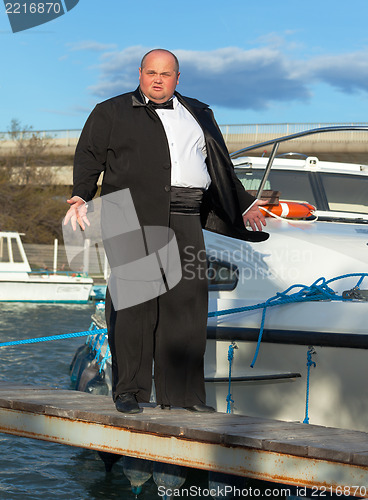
point(159, 75)
point(163, 52)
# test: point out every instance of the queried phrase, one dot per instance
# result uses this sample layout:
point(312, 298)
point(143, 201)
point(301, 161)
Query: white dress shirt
point(187, 147)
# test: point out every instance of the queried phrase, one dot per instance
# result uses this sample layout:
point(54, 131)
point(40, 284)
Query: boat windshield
point(4, 250)
point(293, 186)
point(12, 254)
point(346, 193)
point(341, 192)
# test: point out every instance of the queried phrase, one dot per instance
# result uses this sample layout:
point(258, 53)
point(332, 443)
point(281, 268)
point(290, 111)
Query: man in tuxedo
point(169, 152)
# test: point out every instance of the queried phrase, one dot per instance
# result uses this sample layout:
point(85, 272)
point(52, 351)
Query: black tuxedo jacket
point(126, 140)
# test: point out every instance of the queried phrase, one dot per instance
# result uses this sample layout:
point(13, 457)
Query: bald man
point(169, 152)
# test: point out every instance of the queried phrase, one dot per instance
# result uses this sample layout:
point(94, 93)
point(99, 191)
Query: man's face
point(158, 78)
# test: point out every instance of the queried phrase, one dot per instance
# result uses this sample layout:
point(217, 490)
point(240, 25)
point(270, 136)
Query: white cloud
point(237, 78)
point(232, 77)
point(346, 72)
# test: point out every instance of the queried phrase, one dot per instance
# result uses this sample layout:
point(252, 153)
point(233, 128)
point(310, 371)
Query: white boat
point(18, 283)
point(312, 361)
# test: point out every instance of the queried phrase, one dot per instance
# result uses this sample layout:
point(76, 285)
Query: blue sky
point(253, 61)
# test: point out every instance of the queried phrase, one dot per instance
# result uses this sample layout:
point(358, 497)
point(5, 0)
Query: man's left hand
point(254, 217)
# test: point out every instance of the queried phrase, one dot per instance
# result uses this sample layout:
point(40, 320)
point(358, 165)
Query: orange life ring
point(289, 210)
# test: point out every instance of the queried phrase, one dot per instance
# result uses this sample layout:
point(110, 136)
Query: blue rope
point(89, 339)
point(310, 363)
point(52, 337)
point(230, 357)
point(103, 361)
point(319, 290)
point(307, 293)
point(101, 338)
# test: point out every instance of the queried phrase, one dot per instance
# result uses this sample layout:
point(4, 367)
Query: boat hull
point(277, 385)
point(46, 290)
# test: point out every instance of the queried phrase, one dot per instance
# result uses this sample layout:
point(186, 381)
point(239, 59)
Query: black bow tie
point(163, 105)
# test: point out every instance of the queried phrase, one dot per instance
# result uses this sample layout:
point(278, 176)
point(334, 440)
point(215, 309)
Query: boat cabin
point(13, 258)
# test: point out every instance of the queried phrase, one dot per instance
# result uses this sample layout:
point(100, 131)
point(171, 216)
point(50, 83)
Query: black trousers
point(169, 330)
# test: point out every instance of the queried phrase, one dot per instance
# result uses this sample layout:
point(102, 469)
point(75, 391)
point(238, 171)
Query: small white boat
point(18, 283)
point(312, 361)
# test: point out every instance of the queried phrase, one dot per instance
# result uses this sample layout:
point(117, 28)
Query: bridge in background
point(236, 137)
point(349, 146)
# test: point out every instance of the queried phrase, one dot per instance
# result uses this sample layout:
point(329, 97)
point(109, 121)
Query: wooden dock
point(284, 452)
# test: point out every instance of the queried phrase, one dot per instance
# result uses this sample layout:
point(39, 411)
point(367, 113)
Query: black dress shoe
point(127, 403)
point(201, 408)
point(165, 407)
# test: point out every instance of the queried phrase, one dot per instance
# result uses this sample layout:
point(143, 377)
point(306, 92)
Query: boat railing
point(278, 140)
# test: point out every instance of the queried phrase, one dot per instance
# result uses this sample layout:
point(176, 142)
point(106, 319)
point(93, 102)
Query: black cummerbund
point(185, 201)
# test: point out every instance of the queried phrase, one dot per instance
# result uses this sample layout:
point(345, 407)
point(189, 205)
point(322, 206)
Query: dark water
point(32, 469)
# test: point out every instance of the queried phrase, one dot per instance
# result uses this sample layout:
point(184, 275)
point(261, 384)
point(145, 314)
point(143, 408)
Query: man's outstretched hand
point(77, 213)
point(254, 217)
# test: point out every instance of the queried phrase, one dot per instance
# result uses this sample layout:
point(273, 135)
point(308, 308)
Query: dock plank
point(237, 430)
point(250, 446)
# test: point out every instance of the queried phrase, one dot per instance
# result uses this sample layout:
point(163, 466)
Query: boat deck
point(284, 452)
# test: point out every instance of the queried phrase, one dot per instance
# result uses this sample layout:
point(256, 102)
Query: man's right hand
point(77, 213)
